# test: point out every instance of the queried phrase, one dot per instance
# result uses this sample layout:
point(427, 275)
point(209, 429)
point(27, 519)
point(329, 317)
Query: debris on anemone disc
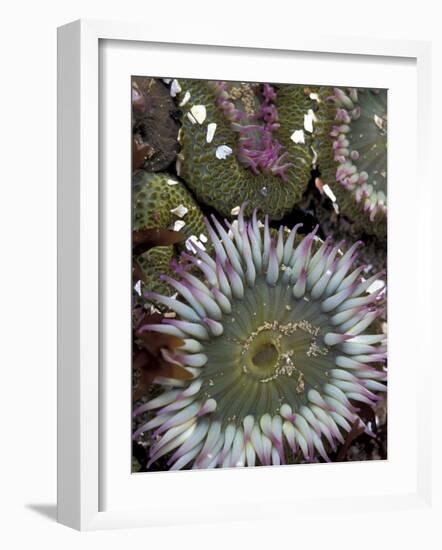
point(162, 201)
point(244, 142)
point(351, 142)
point(276, 338)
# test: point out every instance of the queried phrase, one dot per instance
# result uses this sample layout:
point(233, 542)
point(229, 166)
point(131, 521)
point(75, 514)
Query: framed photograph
point(232, 262)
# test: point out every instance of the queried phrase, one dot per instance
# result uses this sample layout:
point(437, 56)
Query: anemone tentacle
point(276, 342)
point(351, 140)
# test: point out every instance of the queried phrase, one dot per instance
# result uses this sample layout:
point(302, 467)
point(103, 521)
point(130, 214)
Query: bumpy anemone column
point(275, 338)
point(352, 145)
point(244, 142)
point(162, 201)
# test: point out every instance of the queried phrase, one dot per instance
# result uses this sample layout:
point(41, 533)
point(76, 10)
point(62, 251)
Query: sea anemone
point(275, 338)
point(161, 201)
point(352, 145)
point(239, 143)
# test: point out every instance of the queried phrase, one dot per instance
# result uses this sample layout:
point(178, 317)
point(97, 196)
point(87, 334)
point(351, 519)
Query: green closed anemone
point(160, 200)
point(244, 142)
point(276, 336)
point(351, 141)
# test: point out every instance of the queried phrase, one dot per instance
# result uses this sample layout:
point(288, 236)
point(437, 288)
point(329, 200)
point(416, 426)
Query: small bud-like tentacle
point(184, 460)
point(340, 408)
point(289, 245)
point(153, 423)
point(229, 435)
point(273, 267)
point(343, 265)
point(333, 338)
point(230, 249)
point(222, 301)
point(344, 316)
point(361, 314)
point(224, 284)
point(299, 288)
point(236, 458)
point(192, 329)
point(320, 447)
point(286, 412)
point(210, 306)
point(182, 416)
point(256, 440)
point(365, 323)
point(373, 385)
point(303, 427)
point(310, 417)
point(208, 272)
point(316, 398)
point(219, 249)
point(170, 435)
point(210, 441)
point(365, 285)
point(328, 421)
point(250, 266)
point(158, 452)
point(185, 293)
point(235, 281)
point(280, 245)
point(329, 304)
point(289, 432)
point(255, 244)
point(163, 329)
point(266, 249)
point(320, 286)
point(352, 277)
point(302, 442)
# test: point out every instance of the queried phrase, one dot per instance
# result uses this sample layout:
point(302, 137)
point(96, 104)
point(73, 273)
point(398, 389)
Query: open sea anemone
point(352, 145)
point(275, 337)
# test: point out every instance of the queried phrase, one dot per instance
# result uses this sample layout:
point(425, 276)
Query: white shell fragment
point(191, 118)
point(327, 190)
point(175, 88)
point(180, 211)
point(235, 211)
point(315, 156)
point(223, 151)
point(193, 243)
point(203, 238)
point(376, 285)
point(199, 113)
point(172, 182)
point(211, 128)
point(298, 136)
point(314, 96)
point(308, 121)
point(178, 225)
point(185, 99)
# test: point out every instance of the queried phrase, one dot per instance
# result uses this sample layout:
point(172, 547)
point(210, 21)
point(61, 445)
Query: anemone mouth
point(271, 352)
point(274, 336)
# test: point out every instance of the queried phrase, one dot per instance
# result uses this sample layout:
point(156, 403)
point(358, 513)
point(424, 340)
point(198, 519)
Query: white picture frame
point(82, 296)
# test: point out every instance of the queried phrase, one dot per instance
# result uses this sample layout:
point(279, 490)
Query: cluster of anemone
point(354, 153)
point(275, 335)
point(236, 144)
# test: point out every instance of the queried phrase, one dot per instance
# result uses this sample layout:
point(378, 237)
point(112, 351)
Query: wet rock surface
point(155, 128)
